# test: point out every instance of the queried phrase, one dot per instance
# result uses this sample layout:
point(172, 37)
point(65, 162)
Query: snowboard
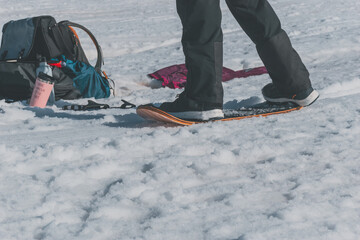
point(153, 113)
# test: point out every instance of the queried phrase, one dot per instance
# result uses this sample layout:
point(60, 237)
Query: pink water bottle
point(42, 90)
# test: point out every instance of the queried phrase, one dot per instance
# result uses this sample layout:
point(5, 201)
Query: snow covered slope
point(109, 174)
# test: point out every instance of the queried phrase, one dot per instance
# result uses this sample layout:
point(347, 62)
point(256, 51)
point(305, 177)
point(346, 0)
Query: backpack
point(27, 42)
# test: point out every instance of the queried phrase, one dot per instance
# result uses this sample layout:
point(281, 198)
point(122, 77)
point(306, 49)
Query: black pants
point(203, 42)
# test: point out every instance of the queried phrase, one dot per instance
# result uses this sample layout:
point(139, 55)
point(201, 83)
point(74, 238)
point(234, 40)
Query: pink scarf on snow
point(175, 76)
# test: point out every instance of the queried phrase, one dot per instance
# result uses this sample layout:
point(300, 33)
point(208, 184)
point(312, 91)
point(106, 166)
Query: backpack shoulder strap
point(100, 60)
point(60, 41)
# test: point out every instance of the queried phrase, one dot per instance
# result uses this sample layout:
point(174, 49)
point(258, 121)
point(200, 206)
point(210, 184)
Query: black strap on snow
point(127, 105)
point(100, 60)
point(90, 106)
point(96, 106)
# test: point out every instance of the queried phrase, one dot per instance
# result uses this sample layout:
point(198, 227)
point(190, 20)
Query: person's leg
point(202, 42)
point(262, 25)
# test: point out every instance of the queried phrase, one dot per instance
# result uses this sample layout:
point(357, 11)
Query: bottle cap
point(45, 77)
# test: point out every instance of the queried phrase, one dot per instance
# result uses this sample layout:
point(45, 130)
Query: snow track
point(342, 89)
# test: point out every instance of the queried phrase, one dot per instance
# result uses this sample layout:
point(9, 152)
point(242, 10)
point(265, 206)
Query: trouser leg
point(202, 42)
point(262, 25)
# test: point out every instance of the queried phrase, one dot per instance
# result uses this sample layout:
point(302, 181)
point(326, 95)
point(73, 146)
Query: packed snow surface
point(109, 174)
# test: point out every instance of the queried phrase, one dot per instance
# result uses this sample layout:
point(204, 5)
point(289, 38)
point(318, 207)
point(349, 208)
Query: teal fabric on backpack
point(86, 79)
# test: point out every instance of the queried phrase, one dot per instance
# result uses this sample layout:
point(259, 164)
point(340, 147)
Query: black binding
point(96, 106)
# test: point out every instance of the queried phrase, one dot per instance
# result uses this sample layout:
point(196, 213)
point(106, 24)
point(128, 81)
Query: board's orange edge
point(154, 113)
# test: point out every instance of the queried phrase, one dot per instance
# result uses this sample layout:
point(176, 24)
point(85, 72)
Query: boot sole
point(199, 115)
point(314, 95)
